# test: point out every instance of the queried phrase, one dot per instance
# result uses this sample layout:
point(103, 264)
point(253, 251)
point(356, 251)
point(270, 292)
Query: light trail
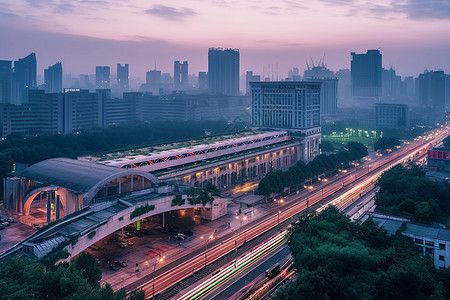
point(297, 204)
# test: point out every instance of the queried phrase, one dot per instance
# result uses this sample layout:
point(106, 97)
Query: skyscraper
point(53, 78)
point(5, 81)
point(432, 92)
point(24, 78)
point(366, 74)
point(223, 71)
point(102, 77)
point(180, 75)
point(122, 77)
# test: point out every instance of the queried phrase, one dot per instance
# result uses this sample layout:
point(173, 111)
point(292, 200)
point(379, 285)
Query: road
point(339, 191)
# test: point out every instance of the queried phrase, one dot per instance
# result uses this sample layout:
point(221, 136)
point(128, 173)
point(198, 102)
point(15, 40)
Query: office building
point(344, 87)
point(223, 71)
point(318, 72)
point(102, 77)
point(328, 88)
point(391, 116)
point(82, 110)
point(249, 77)
point(432, 92)
point(202, 81)
point(5, 81)
point(366, 74)
point(123, 75)
point(24, 78)
point(289, 105)
point(180, 75)
point(53, 78)
point(42, 114)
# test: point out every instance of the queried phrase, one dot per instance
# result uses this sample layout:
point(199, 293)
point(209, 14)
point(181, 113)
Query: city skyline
point(282, 33)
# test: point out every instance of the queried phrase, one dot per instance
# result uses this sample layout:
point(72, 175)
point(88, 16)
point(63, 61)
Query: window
point(418, 241)
point(429, 251)
point(441, 257)
point(441, 246)
point(428, 243)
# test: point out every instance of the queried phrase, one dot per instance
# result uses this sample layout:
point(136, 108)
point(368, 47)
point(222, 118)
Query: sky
point(413, 35)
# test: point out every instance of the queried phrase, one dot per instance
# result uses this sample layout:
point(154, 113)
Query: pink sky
point(412, 34)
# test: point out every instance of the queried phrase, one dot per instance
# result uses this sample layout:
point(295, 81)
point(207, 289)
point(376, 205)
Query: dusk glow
point(266, 32)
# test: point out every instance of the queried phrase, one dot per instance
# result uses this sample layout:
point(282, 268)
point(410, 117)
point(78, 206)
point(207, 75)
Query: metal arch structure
point(90, 195)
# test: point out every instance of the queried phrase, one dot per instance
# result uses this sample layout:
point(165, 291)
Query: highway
point(339, 191)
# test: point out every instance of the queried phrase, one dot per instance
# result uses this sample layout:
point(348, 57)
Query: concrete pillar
point(132, 182)
point(164, 220)
point(143, 182)
point(48, 208)
point(57, 207)
point(120, 185)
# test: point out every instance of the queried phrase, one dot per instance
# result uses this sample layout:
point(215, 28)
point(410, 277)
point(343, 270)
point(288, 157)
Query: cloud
point(170, 13)
point(430, 9)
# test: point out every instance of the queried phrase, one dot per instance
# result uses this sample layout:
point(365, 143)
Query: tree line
point(339, 259)
point(409, 193)
point(386, 143)
point(21, 278)
point(276, 181)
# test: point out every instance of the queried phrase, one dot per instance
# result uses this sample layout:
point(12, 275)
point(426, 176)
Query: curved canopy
point(75, 175)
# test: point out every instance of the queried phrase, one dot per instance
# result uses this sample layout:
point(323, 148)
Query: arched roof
point(76, 175)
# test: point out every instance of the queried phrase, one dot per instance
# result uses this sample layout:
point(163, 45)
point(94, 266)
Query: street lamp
point(206, 247)
point(278, 208)
point(154, 269)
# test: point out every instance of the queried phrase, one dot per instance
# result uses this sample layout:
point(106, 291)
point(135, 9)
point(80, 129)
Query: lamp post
point(278, 208)
point(206, 247)
point(153, 274)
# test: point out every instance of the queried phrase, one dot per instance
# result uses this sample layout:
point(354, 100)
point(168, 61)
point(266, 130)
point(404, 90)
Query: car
point(123, 245)
point(178, 237)
point(158, 227)
point(121, 263)
point(2, 220)
point(10, 220)
point(113, 267)
point(128, 243)
point(188, 232)
point(6, 224)
point(2, 227)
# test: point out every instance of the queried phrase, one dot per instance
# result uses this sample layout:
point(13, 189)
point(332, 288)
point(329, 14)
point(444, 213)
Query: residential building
point(53, 78)
point(202, 81)
point(24, 78)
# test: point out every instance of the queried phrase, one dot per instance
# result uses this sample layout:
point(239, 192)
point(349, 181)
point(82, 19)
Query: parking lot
point(12, 233)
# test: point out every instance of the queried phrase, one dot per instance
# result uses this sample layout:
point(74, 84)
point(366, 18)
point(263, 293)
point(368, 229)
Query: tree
point(89, 268)
point(386, 143)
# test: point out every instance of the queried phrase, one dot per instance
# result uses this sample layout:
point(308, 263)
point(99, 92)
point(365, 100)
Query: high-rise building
point(292, 106)
point(24, 78)
point(184, 75)
point(432, 92)
point(202, 81)
point(249, 77)
point(123, 73)
point(102, 77)
point(366, 74)
point(153, 77)
point(53, 78)
point(223, 71)
point(5, 81)
point(82, 110)
point(328, 88)
point(180, 75)
point(318, 72)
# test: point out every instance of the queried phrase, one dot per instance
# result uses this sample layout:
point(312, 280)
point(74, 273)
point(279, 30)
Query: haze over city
point(411, 34)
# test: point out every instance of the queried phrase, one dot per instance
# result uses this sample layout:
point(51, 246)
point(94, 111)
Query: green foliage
point(25, 279)
point(340, 259)
point(178, 200)
point(386, 143)
point(141, 210)
point(197, 196)
point(408, 193)
point(91, 234)
point(276, 181)
point(89, 268)
point(326, 146)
